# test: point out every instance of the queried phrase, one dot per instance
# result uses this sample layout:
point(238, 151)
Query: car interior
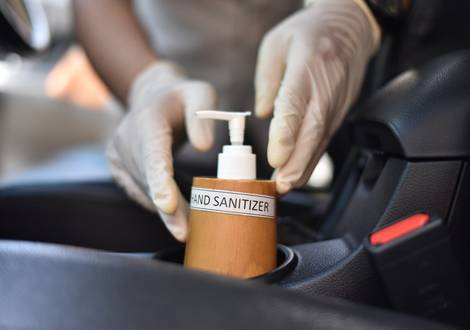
point(383, 246)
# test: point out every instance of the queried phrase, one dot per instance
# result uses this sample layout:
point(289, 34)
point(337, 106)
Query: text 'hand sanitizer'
point(232, 221)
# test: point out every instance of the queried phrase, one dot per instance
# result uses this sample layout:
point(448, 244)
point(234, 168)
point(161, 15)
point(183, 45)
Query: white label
point(237, 203)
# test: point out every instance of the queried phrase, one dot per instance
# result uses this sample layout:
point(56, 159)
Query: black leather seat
point(72, 200)
point(47, 286)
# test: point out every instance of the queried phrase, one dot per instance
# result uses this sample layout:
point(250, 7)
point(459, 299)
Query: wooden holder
point(236, 245)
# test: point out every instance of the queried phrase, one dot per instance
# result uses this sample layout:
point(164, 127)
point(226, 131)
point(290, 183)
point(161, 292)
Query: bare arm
point(114, 41)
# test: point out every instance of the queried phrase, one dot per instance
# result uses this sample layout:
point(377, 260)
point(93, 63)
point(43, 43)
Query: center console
point(411, 151)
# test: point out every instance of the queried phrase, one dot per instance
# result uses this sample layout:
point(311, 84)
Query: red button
point(399, 229)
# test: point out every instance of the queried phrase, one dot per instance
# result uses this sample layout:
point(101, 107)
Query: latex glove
point(310, 69)
point(162, 101)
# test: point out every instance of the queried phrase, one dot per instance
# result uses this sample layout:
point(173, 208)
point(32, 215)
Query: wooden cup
point(236, 245)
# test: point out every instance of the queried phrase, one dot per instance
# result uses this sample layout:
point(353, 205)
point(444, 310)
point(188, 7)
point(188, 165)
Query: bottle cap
point(236, 160)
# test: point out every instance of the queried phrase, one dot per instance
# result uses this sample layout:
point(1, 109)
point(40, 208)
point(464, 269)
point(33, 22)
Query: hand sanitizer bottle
point(232, 221)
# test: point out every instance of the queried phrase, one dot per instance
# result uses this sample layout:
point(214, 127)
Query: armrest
point(50, 287)
point(93, 214)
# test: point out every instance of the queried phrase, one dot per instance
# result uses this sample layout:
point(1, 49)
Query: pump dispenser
point(236, 160)
point(232, 221)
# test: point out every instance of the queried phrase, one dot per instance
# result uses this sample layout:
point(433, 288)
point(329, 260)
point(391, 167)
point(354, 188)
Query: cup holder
point(286, 262)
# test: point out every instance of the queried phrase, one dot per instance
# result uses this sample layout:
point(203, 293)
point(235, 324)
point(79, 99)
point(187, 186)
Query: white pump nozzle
point(236, 122)
point(236, 162)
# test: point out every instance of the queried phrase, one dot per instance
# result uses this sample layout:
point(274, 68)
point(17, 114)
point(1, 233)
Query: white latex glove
point(310, 69)
point(162, 101)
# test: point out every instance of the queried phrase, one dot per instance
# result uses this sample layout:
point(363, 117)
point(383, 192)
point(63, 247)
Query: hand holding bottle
point(309, 72)
point(162, 103)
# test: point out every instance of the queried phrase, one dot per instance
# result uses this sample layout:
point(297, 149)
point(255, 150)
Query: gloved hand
point(162, 101)
point(310, 69)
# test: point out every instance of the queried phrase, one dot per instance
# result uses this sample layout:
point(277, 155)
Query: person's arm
point(114, 42)
point(309, 73)
point(161, 102)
